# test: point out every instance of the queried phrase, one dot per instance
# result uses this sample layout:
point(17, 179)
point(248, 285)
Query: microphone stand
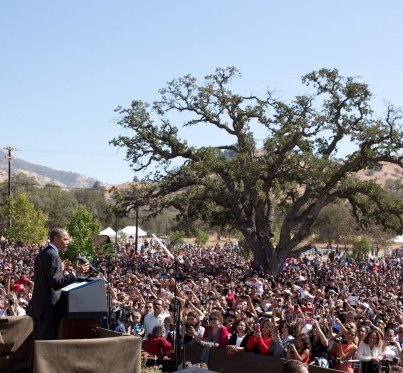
point(108, 293)
point(177, 315)
point(176, 301)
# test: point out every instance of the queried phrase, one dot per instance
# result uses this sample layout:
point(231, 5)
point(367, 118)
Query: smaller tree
point(107, 249)
point(361, 247)
point(201, 237)
point(28, 225)
point(177, 237)
point(334, 223)
point(122, 238)
point(83, 227)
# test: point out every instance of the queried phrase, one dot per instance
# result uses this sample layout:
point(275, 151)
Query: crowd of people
point(331, 311)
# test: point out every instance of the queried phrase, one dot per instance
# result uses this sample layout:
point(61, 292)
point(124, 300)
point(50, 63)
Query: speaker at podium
point(83, 305)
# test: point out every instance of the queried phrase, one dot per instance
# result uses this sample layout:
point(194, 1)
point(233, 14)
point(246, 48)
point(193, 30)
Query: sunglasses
point(213, 318)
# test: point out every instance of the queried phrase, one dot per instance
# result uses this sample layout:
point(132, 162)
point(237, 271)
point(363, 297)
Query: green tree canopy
point(94, 200)
point(83, 227)
point(201, 237)
point(335, 224)
point(296, 171)
point(57, 204)
point(361, 246)
point(27, 223)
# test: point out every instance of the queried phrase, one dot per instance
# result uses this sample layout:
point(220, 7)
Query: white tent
point(108, 232)
point(130, 232)
point(398, 239)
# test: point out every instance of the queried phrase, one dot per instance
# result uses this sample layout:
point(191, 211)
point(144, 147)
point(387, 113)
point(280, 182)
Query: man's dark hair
point(294, 366)
point(56, 232)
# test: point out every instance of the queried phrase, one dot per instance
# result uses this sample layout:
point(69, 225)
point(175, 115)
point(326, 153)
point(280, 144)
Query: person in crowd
point(399, 336)
point(320, 344)
point(14, 307)
point(346, 348)
point(149, 308)
point(391, 349)
point(239, 339)
point(155, 318)
point(259, 342)
point(169, 327)
point(3, 307)
point(135, 326)
point(281, 340)
point(192, 327)
point(301, 350)
point(370, 350)
point(362, 333)
point(215, 335)
point(156, 344)
point(229, 322)
point(295, 366)
point(215, 332)
point(49, 279)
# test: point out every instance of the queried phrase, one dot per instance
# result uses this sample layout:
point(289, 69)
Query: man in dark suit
point(44, 306)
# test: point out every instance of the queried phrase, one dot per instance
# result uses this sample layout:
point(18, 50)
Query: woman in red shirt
point(157, 344)
point(216, 332)
point(259, 342)
point(215, 335)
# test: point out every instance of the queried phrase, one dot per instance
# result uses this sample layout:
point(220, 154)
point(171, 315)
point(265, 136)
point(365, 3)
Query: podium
point(83, 305)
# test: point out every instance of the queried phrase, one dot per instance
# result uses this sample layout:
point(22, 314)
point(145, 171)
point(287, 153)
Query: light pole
point(9, 157)
point(136, 241)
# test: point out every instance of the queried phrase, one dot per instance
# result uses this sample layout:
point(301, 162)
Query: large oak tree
point(297, 169)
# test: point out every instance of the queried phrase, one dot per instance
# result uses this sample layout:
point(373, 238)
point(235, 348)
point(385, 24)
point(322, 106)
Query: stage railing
point(220, 361)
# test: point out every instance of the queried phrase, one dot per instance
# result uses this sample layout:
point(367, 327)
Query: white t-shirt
point(364, 353)
point(150, 321)
point(239, 340)
point(390, 352)
point(257, 284)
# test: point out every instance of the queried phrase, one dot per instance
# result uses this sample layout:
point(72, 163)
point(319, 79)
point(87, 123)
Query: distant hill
point(44, 175)
point(388, 173)
point(70, 180)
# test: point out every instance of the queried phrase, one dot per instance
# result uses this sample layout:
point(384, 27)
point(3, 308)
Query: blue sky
point(65, 65)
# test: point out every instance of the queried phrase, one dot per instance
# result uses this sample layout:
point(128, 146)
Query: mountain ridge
point(43, 174)
point(72, 180)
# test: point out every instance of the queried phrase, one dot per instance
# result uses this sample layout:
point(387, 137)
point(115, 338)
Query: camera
point(127, 313)
point(339, 340)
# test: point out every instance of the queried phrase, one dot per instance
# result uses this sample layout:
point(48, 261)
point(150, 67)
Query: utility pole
point(9, 157)
point(116, 230)
point(136, 242)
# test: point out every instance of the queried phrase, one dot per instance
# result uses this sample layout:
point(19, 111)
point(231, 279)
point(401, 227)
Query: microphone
point(81, 260)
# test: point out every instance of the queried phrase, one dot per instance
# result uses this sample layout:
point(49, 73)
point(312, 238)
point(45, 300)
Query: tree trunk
point(271, 258)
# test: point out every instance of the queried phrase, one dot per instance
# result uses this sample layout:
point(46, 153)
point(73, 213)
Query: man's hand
point(66, 264)
point(82, 269)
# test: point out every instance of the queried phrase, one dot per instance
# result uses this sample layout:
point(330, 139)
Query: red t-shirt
point(158, 346)
point(258, 344)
